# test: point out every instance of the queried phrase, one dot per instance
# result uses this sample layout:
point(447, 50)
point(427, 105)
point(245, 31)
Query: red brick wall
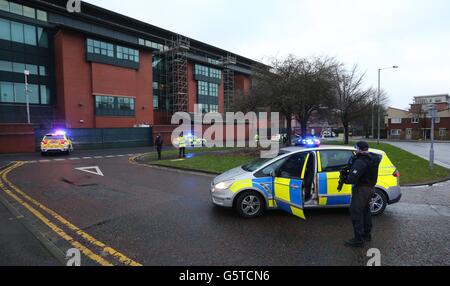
point(242, 83)
point(73, 81)
point(77, 81)
point(17, 138)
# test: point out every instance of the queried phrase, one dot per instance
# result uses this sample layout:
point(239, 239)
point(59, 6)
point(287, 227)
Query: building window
point(29, 12)
point(100, 48)
point(155, 102)
point(214, 89)
point(41, 15)
point(15, 67)
point(7, 92)
point(4, 5)
point(30, 35)
point(14, 92)
point(5, 30)
point(42, 38)
point(24, 34)
point(207, 97)
point(127, 54)
point(396, 132)
point(16, 8)
point(415, 120)
point(201, 70)
point(110, 50)
point(215, 73)
point(23, 10)
point(437, 120)
point(442, 132)
point(151, 44)
point(114, 106)
point(203, 88)
point(45, 94)
point(396, 121)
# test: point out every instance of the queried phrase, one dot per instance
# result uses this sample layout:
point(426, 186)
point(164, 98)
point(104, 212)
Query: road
point(442, 151)
point(137, 215)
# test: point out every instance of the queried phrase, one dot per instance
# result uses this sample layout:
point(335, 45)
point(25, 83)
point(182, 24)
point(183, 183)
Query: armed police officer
point(363, 175)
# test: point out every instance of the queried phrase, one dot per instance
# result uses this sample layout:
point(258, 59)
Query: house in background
point(415, 123)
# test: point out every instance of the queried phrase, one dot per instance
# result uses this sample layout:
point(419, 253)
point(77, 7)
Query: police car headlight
point(224, 185)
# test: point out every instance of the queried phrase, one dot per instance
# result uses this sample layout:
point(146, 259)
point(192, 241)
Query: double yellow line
point(37, 209)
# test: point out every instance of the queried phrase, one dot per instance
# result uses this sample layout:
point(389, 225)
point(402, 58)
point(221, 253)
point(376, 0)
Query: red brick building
point(100, 69)
point(415, 124)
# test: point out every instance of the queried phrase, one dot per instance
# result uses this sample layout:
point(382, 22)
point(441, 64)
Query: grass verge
point(413, 169)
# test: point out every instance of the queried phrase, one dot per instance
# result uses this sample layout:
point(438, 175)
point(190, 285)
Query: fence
point(105, 137)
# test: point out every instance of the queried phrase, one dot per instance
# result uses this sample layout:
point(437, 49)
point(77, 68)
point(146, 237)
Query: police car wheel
point(379, 203)
point(250, 204)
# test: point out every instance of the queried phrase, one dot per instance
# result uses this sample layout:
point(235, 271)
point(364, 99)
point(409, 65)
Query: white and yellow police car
point(298, 179)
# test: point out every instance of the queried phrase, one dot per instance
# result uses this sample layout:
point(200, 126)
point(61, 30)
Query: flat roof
point(102, 16)
point(428, 96)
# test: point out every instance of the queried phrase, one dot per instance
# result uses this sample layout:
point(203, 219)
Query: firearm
point(343, 178)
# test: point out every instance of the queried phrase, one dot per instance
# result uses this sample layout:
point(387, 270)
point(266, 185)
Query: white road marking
point(77, 158)
point(91, 170)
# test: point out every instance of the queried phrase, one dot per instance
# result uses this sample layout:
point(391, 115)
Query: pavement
point(422, 149)
point(158, 217)
point(18, 245)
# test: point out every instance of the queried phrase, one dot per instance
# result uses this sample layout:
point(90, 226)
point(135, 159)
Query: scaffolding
point(228, 81)
point(177, 73)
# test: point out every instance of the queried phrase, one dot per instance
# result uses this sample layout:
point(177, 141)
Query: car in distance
point(57, 142)
point(191, 141)
point(298, 179)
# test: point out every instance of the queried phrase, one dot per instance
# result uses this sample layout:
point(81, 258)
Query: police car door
point(288, 191)
point(330, 163)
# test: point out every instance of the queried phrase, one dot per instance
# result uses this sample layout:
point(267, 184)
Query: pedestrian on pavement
point(363, 176)
point(159, 144)
point(182, 146)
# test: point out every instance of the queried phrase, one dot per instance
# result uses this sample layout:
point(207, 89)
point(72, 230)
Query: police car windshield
point(255, 165)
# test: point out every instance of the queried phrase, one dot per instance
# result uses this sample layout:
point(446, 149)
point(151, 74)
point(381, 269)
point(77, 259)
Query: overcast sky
point(414, 34)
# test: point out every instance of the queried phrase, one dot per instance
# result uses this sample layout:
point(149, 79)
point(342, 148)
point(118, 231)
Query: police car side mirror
point(273, 173)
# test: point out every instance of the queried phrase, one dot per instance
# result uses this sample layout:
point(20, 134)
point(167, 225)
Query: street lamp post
point(27, 73)
point(433, 115)
point(379, 100)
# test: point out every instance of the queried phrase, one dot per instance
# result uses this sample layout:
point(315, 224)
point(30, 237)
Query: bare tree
point(313, 88)
point(273, 88)
point(293, 87)
point(352, 99)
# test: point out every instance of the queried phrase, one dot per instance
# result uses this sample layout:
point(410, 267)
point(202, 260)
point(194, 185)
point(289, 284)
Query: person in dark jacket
point(363, 176)
point(159, 144)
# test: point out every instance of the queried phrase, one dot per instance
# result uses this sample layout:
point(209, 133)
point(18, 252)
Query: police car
point(57, 142)
point(191, 141)
point(298, 179)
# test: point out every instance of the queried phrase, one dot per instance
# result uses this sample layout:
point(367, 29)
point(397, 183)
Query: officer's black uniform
point(363, 176)
point(159, 143)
